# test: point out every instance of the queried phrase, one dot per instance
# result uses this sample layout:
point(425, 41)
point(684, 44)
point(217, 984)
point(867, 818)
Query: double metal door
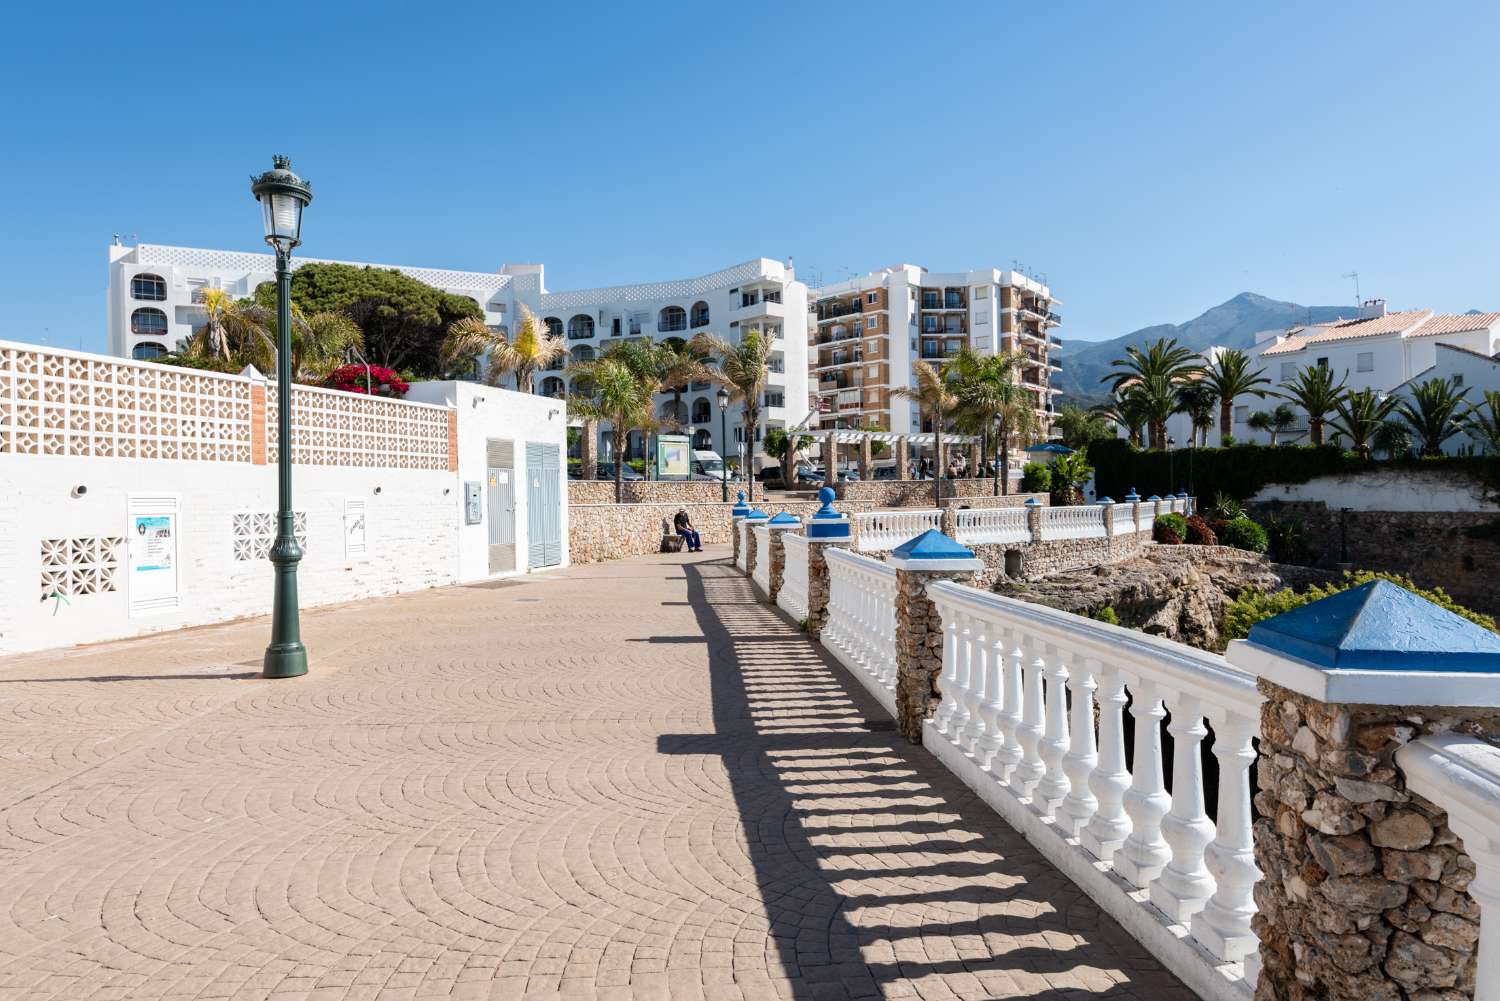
point(543, 505)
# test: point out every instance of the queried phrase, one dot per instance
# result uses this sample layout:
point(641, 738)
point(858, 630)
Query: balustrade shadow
point(880, 873)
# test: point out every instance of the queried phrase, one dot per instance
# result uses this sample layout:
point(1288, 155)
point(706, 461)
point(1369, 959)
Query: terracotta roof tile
point(1452, 323)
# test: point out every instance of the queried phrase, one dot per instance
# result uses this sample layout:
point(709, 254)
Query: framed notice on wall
point(355, 528)
point(672, 457)
point(152, 577)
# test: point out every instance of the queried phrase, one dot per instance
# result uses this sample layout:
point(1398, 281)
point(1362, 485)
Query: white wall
point(1397, 490)
point(485, 412)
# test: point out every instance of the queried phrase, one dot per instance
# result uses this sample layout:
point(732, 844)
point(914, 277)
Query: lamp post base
point(284, 660)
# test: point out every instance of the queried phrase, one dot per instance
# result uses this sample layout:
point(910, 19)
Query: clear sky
point(1151, 160)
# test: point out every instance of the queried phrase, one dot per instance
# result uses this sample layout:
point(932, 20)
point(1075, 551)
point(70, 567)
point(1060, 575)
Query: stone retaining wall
point(919, 493)
point(649, 492)
point(598, 532)
point(1429, 547)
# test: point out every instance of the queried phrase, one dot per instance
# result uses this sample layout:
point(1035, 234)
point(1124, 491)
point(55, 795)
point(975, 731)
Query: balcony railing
point(833, 311)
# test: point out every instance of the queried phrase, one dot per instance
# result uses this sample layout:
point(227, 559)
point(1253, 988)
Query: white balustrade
point(861, 629)
point(762, 572)
point(1073, 522)
point(1147, 523)
point(877, 531)
point(1017, 722)
point(995, 525)
point(1124, 519)
point(793, 594)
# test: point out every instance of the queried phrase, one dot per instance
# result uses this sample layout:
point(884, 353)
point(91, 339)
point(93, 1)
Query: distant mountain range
point(1232, 324)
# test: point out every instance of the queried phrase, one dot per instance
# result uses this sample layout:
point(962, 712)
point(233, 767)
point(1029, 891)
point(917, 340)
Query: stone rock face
point(1180, 592)
point(919, 648)
point(1363, 895)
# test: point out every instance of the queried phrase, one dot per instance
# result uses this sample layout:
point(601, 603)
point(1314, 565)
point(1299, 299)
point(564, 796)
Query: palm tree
point(934, 396)
point(1230, 377)
point(743, 369)
point(617, 393)
point(322, 342)
point(1128, 411)
point(1483, 423)
point(1359, 417)
point(1434, 413)
point(1079, 427)
point(1275, 421)
point(523, 355)
point(987, 393)
point(679, 364)
point(1313, 390)
point(1156, 371)
point(230, 327)
point(1196, 399)
point(1393, 439)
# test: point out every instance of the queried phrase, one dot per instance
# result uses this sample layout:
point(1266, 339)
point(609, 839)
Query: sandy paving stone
point(623, 781)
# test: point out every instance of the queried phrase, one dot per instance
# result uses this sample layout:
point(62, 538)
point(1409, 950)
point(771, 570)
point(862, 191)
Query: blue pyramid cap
point(1182, 493)
point(1154, 497)
point(756, 514)
point(1132, 496)
point(932, 545)
point(782, 518)
point(1033, 502)
point(1380, 626)
point(1106, 500)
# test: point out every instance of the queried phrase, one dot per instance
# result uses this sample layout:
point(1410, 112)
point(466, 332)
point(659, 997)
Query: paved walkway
point(621, 781)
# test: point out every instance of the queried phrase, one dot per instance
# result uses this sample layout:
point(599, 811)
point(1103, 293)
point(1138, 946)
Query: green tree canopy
point(403, 321)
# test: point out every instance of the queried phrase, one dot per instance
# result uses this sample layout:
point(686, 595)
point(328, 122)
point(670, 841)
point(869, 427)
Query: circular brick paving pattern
point(620, 781)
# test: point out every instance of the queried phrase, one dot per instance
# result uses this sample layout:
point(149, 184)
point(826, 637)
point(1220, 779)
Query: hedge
point(1242, 470)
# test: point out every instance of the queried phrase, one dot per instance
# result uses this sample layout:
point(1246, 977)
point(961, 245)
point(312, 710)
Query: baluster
point(979, 648)
point(861, 624)
point(1054, 784)
point(1108, 828)
point(1080, 804)
point(874, 661)
point(1223, 926)
point(962, 671)
point(1145, 852)
point(1185, 884)
point(884, 634)
point(1010, 752)
point(989, 743)
point(1029, 772)
point(948, 680)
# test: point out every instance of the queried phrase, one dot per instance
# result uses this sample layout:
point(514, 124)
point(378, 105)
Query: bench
point(671, 542)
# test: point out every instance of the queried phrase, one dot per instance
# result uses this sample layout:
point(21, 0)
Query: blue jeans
point(693, 542)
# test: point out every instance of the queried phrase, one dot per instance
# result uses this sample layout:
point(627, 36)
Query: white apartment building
point(865, 333)
point(1473, 373)
point(155, 303)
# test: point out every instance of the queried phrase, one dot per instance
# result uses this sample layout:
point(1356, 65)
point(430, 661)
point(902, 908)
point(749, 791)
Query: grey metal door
point(500, 503)
point(543, 505)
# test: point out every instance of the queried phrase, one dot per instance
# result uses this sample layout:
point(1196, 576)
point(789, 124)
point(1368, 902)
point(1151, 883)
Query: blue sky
point(1152, 161)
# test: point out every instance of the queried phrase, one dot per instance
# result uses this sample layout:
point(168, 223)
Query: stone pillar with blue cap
point(1367, 889)
point(1108, 503)
point(825, 529)
point(783, 522)
point(754, 518)
point(737, 513)
point(1034, 518)
point(931, 556)
point(1134, 500)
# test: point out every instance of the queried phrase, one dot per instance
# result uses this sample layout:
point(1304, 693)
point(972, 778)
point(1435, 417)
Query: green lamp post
point(722, 399)
point(282, 196)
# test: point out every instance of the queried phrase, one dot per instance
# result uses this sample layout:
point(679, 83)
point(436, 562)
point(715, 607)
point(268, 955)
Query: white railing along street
point(1124, 518)
point(1006, 726)
point(875, 531)
point(975, 526)
point(762, 574)
point(1075, 522)
point(1148, 517)
point(793, 594)
point(861, 629)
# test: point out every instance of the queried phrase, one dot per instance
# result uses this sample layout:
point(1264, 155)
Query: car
point(884, 473)
point(607, 472)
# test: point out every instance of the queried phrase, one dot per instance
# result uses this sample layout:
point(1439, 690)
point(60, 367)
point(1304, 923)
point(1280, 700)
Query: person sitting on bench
point(684, 526)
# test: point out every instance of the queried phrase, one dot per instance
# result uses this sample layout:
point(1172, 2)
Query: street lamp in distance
point(282, 196)
point(722, 397)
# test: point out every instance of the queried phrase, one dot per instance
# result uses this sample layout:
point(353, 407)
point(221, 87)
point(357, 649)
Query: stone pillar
point(831, 456)
point(783, 522)
point(827, 529)
point(1159, 507)
point(1366, 888)
point(930, 557)
point(1034, 518)
point(866, 460)
point(588, 450)
point(1134, 500)
point(736, 515)
point(903, 458)
point(974, 469)
point(1108, 504)
point(754, 518)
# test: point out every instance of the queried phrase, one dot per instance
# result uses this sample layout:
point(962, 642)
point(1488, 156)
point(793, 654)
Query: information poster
point(673, 457)
point(152, 561)
point(354, 527)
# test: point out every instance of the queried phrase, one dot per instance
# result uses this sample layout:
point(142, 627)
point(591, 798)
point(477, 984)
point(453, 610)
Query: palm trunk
point(937, 479)
point(619, 440)
point(748, 420)
point(1226, 418)
point(1315, 430)
point(1003, 486)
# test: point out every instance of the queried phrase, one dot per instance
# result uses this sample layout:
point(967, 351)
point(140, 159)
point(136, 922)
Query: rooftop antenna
point(1357, 298)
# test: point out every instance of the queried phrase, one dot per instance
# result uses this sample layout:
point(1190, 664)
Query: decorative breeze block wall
point(254, 531)
point(331, 428)
point(73, 567)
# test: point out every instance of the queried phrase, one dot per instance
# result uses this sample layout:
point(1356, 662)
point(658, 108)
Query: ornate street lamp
point(282, 196)
point(722, 396)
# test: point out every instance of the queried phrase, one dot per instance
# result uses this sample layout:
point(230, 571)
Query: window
point(147, 350)
point(700, 314)
point(497, 307)
point(872, 297)
point(148, 321)
point(1288, 370)
point(1458, 380)
point(1241, 414)
point(872, 321)
point(929, 324)
point(672, 318)
point(981, 317)
point(775, 400)
point(873, 372)
point(1364, 361)
point(554, 326)
point(749, 298)
point(614, 327)
point(701, 411)
point(1322, 362)
point(929, 300)
point(739, 434)
point(553, 386)
point(580, 326)
point(859, 326)
point(980, 291)
point(148, 288)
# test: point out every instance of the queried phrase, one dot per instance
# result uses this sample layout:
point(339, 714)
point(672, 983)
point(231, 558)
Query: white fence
point(793, 594)
point(1147, 521)
point(762, 572)
point(995, 525)
point(861, 629)
point(1075, 522)
point(875, 531)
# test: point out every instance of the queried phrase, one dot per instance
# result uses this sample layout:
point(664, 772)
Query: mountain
point(1231, 324)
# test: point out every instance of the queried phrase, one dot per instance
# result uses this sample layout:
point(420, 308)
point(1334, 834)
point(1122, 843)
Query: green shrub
point(1036, 478)
point(1287, 541)
point(1224, 508)
point(1242, 533)
point(1199, 534)
point(1253, 606)
point(1174, 523)
point(639, 465)
point(1107, 614)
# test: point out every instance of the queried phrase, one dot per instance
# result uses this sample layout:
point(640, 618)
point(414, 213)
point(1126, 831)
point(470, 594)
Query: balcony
point(832, 311)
